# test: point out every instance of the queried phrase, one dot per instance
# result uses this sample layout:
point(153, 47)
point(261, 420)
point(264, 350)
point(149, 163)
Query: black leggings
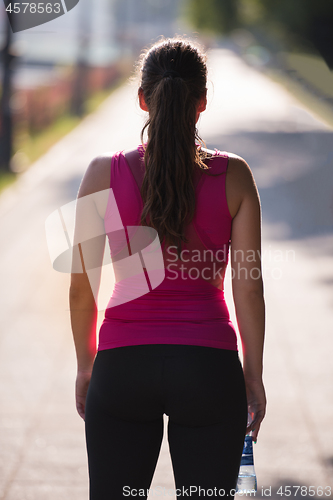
point(201, 389)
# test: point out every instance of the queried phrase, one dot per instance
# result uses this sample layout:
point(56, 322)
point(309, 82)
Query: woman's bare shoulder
point(240, 171)
point(240, 183)
point(237, 162)
point(97, 175)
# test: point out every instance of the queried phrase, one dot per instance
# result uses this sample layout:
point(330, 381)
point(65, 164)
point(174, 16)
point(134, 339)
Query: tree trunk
point(6, 132)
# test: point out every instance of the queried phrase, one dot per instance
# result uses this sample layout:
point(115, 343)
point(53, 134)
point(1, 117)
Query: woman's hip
point(193, 385)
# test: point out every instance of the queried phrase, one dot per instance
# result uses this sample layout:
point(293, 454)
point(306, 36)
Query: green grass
point(313, 84)
point(316, 105)
point(6, 178)
point(33, 146)
point(312, 69)
point(37, 144)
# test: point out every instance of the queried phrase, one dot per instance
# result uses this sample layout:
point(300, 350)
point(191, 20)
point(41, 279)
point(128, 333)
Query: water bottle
point(247, 479)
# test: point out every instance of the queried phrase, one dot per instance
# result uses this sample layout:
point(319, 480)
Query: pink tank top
point(188, 306)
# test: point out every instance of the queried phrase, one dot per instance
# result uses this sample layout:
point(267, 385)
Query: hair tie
point(172, 73)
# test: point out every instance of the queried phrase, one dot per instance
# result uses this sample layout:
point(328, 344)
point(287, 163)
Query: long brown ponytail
point(173, 79)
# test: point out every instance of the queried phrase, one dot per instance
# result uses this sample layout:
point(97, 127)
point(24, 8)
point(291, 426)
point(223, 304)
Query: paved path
point(42, 448)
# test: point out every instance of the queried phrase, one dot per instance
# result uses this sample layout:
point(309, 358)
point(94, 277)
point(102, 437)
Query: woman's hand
point(256, 401)
point(81, 389)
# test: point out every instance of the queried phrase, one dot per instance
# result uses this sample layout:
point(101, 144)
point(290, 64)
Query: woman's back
point(188, 307)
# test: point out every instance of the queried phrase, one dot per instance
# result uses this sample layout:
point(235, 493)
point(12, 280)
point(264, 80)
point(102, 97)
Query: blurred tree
point(306, 22)
point(307, 19)
point(219, 16)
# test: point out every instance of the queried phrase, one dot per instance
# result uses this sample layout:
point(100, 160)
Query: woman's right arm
point(247, 283)
point(87, 262)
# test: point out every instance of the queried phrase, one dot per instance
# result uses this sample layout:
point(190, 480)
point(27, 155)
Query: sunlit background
point(66, 98)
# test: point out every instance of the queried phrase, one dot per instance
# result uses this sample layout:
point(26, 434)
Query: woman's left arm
point(88, 251)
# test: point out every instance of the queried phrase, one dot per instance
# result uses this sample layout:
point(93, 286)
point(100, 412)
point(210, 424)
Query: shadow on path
point(294, 175)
